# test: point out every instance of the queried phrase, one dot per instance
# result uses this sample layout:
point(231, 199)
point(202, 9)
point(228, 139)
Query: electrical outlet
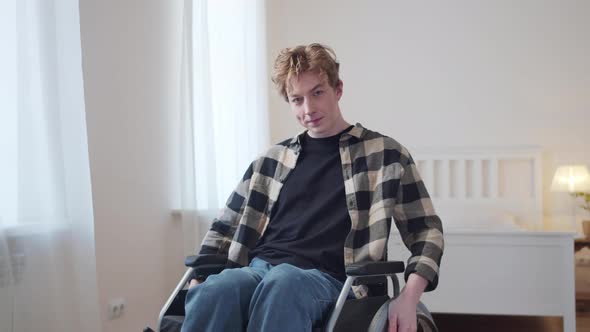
point(116, 308)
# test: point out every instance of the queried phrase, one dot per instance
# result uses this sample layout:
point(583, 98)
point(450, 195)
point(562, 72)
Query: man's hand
point(193, 283)
point(402, 310)
point(402, 314)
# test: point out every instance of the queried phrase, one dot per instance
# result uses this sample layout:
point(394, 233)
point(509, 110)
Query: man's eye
point(318, 92)
point(296, 100)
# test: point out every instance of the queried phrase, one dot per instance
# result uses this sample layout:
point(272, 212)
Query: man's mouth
point(314, 121)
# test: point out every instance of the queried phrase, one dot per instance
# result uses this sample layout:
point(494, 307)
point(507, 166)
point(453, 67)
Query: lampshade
point(571, 178)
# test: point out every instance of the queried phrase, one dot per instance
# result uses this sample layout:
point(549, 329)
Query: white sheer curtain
point(225, 119)
point(47, 257)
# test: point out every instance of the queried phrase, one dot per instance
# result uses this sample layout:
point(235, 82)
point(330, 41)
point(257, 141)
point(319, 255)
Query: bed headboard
point(484, 188)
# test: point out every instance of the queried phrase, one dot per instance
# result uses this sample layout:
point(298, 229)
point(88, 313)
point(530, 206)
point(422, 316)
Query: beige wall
point(131, 79)
point(453, 73)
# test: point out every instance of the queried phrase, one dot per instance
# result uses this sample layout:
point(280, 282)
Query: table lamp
point(574, 179)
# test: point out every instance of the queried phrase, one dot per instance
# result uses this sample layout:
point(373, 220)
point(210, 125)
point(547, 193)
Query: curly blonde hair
point(293, 61)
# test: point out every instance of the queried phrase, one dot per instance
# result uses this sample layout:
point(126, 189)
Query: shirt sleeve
point(219, 237)
point(419, 226)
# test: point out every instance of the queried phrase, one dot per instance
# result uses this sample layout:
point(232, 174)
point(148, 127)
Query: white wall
point(454, 73)
point(448, 74)
point(131, 71)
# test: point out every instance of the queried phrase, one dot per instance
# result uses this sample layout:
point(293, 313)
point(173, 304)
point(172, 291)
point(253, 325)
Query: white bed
point(498, 259)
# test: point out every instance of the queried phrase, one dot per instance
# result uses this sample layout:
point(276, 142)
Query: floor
point(487, 323)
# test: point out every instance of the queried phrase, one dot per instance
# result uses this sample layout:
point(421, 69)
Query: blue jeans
point(261, 297)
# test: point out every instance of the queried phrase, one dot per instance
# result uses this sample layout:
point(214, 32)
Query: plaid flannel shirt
point(381, 182)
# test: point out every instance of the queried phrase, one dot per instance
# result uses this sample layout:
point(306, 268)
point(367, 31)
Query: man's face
point(315, 104)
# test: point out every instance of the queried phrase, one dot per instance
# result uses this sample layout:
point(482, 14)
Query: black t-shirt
point(310, 221)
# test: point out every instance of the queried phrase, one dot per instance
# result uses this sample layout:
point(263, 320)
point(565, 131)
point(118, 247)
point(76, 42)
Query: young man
point(309, 206)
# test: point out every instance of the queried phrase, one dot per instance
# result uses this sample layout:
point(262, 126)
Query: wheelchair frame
point(368, 273)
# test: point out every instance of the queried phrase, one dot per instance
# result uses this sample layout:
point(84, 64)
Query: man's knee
point(284, 279)
point(228, 284)
point(223, 295)
point(286, 273)
point(285, 291)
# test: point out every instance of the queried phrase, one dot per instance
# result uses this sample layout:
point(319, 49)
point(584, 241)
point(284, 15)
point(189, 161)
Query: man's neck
point(342, 125)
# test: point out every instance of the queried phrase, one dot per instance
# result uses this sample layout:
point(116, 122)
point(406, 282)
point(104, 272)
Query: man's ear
point(338, 89)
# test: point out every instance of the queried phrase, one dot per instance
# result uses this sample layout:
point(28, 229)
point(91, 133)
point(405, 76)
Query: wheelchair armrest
point(206, 265)
point(196, 260)
point(375, 268)
point(370, 280)
point(201, 272)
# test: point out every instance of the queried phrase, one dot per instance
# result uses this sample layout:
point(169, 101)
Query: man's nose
point(308, 107)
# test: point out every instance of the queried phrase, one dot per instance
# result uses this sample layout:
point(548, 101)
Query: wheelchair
point(348, 315)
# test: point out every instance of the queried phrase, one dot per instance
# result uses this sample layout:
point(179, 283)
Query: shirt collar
point(357, 131)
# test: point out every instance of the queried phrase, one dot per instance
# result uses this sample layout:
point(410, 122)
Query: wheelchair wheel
point(380, 321)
